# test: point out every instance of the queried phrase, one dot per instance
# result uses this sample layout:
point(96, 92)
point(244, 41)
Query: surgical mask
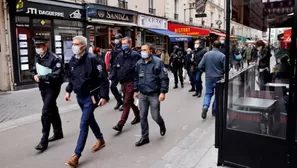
point(76, 49)
point(188, 52)
point(222, 41)
point(196, 46)
point(125, 47)
point(39, 51)
point(144, 55)
point(259, 48)
point(116, 41)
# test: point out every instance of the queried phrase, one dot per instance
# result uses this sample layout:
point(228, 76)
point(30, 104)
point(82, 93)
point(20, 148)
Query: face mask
point(39, 51)
point(76, 49)
point(196, 46)
point(125, 47)
point(144, 55)
point(188, 52)
point(116, 41)
point(222, 41)
point(259, 48)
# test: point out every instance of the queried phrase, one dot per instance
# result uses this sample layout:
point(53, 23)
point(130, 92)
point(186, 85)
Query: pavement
point(189, 142)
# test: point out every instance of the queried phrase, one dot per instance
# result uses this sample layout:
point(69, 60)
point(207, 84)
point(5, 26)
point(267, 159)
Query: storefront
point(144, 35)
point(105, 21)
point(56, 21)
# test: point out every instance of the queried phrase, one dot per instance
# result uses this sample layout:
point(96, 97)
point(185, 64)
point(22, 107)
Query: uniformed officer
point(113, 86)
point(151, 83)
point(48, 73)
point(177, 61)
point(88, 79)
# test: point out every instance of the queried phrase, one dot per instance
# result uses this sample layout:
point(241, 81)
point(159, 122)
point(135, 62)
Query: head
point(189, 50)
point(79, 45)
point(118, 38)
point(222, 40)
point(96, 50)
point(126, 43)
point(163, 51)
point(284, 59)
point(197, 44)
point(41, 49)
point(216, 44)
point(146, 50)
point(260, 45)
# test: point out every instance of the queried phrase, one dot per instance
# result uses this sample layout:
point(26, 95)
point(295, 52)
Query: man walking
point(124, 71)
point(214, 64)
point(48, 73)
point(176, 62)
point(114, 83)
point(150, 86)
point(88, 79)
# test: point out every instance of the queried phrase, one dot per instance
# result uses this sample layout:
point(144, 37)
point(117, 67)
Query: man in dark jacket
point(176, 62)
point(114, 83)
point(199, 52)
point(151, 83)
point(48, 73)
point(263, 64)
point(88, 79)
point(124, 71)
point(189, 67)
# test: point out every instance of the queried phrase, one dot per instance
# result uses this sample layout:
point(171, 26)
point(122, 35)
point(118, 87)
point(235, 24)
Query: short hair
point(83, 40)
point(150, 46)
point(128, 39)
point(189, 49)
point(260, 43)
point(216, 44)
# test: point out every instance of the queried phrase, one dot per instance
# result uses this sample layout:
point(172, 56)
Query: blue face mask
point(125, 47)
point(144, 55)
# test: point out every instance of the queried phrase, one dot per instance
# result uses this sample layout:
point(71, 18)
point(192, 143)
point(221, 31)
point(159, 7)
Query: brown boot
point(99, 145)
point(73, 161)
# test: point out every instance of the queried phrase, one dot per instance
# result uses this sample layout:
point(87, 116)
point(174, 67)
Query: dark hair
point(216, 44)
point(260, 43)
point(150, 46)
point(96, 50)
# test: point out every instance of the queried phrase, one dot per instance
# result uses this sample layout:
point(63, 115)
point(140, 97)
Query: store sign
point(38, 9)
point(200, 6)
point(187, 30)
point(180, 39)
point(109, 15)
point(152, 22)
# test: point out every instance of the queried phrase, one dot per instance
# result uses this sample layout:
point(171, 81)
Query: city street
point(187, 144)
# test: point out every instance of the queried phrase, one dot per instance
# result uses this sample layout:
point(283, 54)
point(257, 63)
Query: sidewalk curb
point(33, 118)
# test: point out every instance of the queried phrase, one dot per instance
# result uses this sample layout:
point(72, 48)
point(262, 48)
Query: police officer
point(88, 79)
point(151, 83)
point(177, 61)
point(113, 87)
point(48, 73)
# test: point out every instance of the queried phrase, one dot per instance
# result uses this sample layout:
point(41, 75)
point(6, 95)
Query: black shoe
point(142, 141)
point(204, 113)
point(196, 94)
point(182, 85)
point(135, 121)
point(162, 131)
point(192, 90)
point(199, 95)
point(121, 108)
point(56, 137)
point(175, 87)
point(41, 146)
point(118, 105)
point(118, 127)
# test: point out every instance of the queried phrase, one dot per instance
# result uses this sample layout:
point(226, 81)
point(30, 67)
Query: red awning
point(287, 35)
point(188, 30)
point(221, 34)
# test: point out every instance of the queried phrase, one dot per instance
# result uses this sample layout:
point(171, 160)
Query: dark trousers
point(198, 81)
point(115, 91)
point(192, 78)
point(178, 73)
point(87, 120)
point(152, 102)
point(50, 113)
point(128, 90)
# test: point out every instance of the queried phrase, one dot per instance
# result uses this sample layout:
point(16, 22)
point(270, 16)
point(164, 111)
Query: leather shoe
point(56, 137)
point(196, 94)
point(119, 104)
point(192, 90)
point(162, 131)
point(135, 121)
point(121, 108)
point(142, 141)
point(99, 145)
point(118, 127)
point(41, 147)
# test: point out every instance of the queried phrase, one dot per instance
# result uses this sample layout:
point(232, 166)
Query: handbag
point(238, 57)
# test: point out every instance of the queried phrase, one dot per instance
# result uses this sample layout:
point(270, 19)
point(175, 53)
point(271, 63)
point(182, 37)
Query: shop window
point(22, 19)
point(41, 23)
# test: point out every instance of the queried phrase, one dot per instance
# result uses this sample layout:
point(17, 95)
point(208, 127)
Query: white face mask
point(196, 46)
point(39, 51)
point(116, 41)
point(76, 49)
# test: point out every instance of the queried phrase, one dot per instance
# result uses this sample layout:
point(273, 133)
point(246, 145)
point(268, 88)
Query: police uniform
point(177, 61)
point(49, 69)
point(150, 80)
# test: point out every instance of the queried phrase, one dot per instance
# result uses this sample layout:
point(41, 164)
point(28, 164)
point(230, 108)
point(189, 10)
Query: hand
point(67, 97)
point(109, 83)
point(161, 97)
point(36, 78)
point(136, 95)
point(102, 102)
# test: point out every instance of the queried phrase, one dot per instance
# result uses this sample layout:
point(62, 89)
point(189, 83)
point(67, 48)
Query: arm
point(164, 80)
point(57, 72)
point(69, 87)
point(136, 80)
point(101, 73)
point(202, 63)
point(113, 72)
point(33, 70)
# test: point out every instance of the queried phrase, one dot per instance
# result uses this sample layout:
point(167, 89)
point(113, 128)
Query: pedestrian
point(176, 62)
point(199, 52)
point(165, 57)
point(97, 52)
point(114, 83)
point(213, 62)
point(151, 83)
point(248, 54)
point(189, 68)
point(124, 71)
point(89, 81)
point(48, 73)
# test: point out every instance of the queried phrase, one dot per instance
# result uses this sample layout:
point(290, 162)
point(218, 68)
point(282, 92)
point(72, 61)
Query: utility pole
point(4, 56)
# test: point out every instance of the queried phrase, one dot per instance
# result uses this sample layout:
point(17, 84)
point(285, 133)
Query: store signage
point(187, 30)
point(39, 9)
point(180, 39)
point(152, 22)
point(109, 15)
point(200, 6)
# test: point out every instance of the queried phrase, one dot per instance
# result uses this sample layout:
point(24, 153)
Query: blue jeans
point(87, 119)
point(210, 86)
point(198, 81)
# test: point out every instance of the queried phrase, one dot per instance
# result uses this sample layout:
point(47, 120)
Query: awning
point(222, 34)
point(188, 30)
point(173, 37)
point(112, 22)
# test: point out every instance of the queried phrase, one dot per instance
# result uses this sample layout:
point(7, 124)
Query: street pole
point(4, 53)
